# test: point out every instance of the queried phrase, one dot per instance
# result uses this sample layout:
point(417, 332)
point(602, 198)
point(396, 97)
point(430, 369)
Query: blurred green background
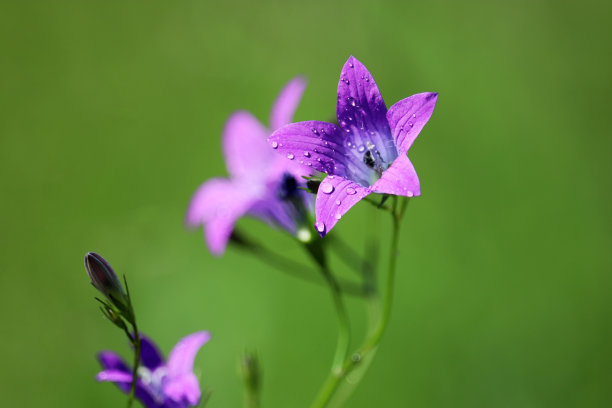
point(110, 117)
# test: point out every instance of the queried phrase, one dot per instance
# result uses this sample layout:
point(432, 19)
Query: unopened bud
point(104, 279)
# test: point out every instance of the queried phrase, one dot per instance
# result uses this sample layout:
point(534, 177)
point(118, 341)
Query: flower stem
point(293, 268)
point(371, 342)
point(136, 343)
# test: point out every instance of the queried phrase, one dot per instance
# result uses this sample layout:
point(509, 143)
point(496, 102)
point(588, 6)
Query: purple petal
point(286, 103)
point(116, 376)
point(316, 146)
point(218, 204)
point(244, 145)
point(180, 360)
point(335, 197)
point(115, 370)
point(150, 356)
point(183, 388)
point(361, 110)
point(399, 179)
point(407, 118)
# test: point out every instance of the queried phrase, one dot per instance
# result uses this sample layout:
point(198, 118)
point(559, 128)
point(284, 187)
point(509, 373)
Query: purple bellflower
point(159, 385)
point(366, 154)
point(261, 183)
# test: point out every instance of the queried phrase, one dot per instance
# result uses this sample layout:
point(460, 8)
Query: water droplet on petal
point(326, 187)
point(351, 100)
point(410, 124)
point(361, 149)
point(306, 154)
point(315, 131)
point(350, 191)
point(409, 193)
point(320, 226)
point(351, 65)
point(290, 156)
point(414, 115)
point(309, 164)
point(338, 202)
point(338, 216)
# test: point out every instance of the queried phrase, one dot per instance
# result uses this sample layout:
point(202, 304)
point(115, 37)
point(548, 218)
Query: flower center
point(374, 160)
point(153, 380)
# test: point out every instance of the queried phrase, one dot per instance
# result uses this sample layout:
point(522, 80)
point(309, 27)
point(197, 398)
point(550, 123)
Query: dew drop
point(315, 131)
point(290, 156)
point(320, 226)
point(346, 81)
point(351, 100)
point(409, 193)
point(350, 191)
point(338, 202)
point(414, 115)
point(326, 187)
point(275, 145)
point(306, 154)
point(309, 164)
point(338, 216)
point(361, 149)
point(351, 65)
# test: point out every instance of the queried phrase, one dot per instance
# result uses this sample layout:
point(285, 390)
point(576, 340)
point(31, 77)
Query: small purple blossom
point(159, 385)
point(261, 183)
point(367, 153)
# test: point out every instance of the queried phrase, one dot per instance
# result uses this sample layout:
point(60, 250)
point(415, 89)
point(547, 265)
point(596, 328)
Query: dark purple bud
point(105, 280)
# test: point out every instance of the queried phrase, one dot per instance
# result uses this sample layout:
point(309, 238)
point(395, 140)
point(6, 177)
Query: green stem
point(293, 268)
point(370, 344)
point(136, 343)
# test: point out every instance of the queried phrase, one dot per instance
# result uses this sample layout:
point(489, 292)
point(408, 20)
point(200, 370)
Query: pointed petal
point(150, 356)
point(183, 388)
point(361, 110)
point(335, 197)
point(399, 179)
point(180, 360)
point(316, 146)
point(117, 376)
point(112, 361)
point(121, 374)
point(287, 102)
point(244, 145)
point(407, 118)
point(218, 204)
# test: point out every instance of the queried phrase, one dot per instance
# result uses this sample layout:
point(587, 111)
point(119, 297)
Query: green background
point(110, 117)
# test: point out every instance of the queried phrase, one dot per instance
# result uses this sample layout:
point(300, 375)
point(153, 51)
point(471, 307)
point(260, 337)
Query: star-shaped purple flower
point(367, 153)
point(261, 183)
point(159, 385)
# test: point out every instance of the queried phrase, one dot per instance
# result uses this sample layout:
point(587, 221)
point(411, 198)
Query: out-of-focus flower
point(261, 184)
point(366, 154)
point(160, 384)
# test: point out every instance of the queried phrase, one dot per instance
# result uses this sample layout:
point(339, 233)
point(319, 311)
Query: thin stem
point(295, 269)
point(136, 343)
point(372, 341)
point(343, 323)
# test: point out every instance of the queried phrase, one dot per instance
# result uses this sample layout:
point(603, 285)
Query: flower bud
point(103, 278)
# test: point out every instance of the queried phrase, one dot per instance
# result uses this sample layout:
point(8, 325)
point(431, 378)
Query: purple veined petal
point(315, 146)
point(362, 112)
point(180, 360)
point(183, 388)
point(116, 376)
point(287, 102)
point(150, 356)
point(408, 116)
point(399, 179)
point(335, 197)
point(244, 145)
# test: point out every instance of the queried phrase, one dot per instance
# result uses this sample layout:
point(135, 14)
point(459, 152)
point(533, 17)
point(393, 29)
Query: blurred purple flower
point(159, 385)
point(261, 183)
point(367, 153)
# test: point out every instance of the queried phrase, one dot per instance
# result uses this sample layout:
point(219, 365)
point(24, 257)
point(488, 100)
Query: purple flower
point(159, 385)
point(261, 183)
point(367, 153)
